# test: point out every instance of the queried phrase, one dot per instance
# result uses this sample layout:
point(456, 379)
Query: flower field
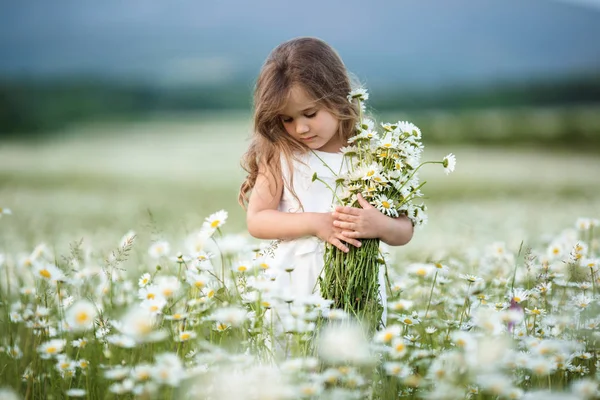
point(129, 278)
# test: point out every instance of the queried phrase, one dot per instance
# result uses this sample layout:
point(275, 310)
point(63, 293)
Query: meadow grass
point(459, 296)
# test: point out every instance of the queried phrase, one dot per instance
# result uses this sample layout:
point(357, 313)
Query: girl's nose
point(301, 128)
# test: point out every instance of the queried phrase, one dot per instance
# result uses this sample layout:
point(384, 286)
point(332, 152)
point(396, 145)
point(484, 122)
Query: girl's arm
point(266, 222)
point(368, 222)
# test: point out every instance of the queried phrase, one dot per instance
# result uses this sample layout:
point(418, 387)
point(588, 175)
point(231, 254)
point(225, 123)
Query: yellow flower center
point(517, 299)
point(176, 316)
point(185, 336)
point(215, 223)
point(168, 291)
point(408, 321)
point(400, 347)
point(150, 296)
point(385, 204)
point(51, 350)
point(45, 273)
point(388, 337)
point(199, 284)
point(82, 317)
point(242, 268)
point(264, 266)
point(371, 173)
point(211, 293)
point(83, 364)
point(421, 272)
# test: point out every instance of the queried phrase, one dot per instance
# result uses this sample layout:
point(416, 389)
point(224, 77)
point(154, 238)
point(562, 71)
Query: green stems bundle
point(383, 168)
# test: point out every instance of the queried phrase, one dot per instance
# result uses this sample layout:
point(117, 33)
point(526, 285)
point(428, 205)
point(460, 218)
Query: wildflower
point(230, 315)
point(139, 325)
point(386, 335)
point(398, 348)
point(168, 285)
point(80, 316)
point(49, 272)
point(141, 372)
point(76, 392)
point(583, 224)
point(144, 280)
point(51, 348)
point(581, 301)
point(216, 220)
point(386, 206)
point(585, 389)
point(430, 330)
point(184, 336)
point(344, 343)
point(535, 311)
point(449, 162)
point(168, 369)
point(5, 211)
point(149, 292)
point(520, 295)
point(360, 94)
point(421, 270)
point(154, 306)
point(122, 341)
point(396, 369)
point(400, 305)
point(159, 249)
point(470, 278)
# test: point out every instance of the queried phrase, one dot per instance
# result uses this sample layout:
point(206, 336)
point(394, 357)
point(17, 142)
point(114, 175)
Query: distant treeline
point(30, 107)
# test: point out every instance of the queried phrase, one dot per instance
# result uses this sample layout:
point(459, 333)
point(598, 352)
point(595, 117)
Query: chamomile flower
point(184, 336)
point(388, 334)
point(144, 280)
point(49, 272)
point(386, 206)
point(80, 316)
point(215, 221)
point(51, 348)
point(449, 163)
point(159, 249)
point(360, 94)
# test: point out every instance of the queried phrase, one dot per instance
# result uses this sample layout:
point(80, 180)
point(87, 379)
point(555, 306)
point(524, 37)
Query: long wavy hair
point(314, 66)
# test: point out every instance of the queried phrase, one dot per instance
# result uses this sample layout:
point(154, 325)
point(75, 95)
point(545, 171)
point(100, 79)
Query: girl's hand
point(364, 223)
point(369, 223)
point(330, 234)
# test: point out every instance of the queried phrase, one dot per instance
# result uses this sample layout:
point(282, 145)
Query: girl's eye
point(310, 115)
point(286, 120)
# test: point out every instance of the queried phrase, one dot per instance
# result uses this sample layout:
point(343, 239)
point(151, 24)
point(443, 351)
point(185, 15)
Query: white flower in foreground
point(8, 394)
point(168, 285)
point(344, 343)
point(585, 389)
point(76, 392)
point(144, 280)
point(216, 220)
point(168, 369)
point(49, 272)
point(51, 348)
point(233, 316)
point(449, 163)
point(159, 249)
point(139, 325)
point(5, 211)
point(80, 316)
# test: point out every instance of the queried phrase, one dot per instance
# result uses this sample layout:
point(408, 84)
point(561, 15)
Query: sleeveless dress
point(305, 255)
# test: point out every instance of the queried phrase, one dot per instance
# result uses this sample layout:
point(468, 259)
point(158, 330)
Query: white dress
point(305, 255)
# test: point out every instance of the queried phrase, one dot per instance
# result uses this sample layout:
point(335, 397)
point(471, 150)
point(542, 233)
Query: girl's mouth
point(308, 138)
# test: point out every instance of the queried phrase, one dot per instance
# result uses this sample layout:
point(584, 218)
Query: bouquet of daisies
point(382, 166)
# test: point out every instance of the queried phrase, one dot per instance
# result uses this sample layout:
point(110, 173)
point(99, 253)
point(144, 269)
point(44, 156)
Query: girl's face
point(310, 124)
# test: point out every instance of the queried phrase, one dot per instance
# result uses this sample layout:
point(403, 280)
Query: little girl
point(302, 118)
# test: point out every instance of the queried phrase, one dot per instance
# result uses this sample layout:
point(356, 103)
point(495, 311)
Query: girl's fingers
point(345, 225)
point(338, 243)
point(348, 240)
point(351, 234)
point(344, 216)
point(347, 210)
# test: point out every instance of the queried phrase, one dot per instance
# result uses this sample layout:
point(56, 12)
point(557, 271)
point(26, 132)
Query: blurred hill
point(407, 43)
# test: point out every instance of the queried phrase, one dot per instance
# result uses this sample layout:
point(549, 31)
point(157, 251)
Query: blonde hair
point(314, 66)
